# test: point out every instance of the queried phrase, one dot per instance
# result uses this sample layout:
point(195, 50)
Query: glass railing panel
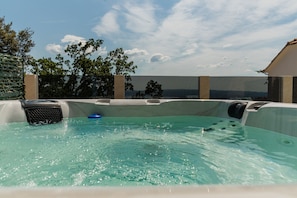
point(73, 86)
point(244, 88)
point(143, 87)
point(163, 87)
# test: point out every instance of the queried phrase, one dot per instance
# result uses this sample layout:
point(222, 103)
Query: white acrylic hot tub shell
point(279, 117)
point(288, 191)
point(272, 116)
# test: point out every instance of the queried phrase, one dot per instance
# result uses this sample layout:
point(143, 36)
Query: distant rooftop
point(283, 52)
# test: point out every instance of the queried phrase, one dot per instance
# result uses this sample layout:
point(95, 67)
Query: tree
point(16, 44)
point(51, 76)
point(25, 44)
point(8, 41)
point(154, 89)
point(96, 71)
point(86, 73)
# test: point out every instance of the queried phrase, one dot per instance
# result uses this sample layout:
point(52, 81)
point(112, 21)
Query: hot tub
point(276, 117)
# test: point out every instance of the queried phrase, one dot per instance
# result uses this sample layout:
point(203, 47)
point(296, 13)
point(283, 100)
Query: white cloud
point(72, 39)
point(102, 51)
point(136, 52)
point(159, 58)
point(69, 40)
point(227, 45)
point(107, 25)
point(140, 18)
point(209, 37)
point(190, 49)
point(54, 48)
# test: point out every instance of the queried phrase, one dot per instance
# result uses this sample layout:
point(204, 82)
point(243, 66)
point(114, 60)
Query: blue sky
point(164, 37)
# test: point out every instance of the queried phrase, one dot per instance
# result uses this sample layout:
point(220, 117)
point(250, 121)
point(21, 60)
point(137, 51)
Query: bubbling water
point(112, 151)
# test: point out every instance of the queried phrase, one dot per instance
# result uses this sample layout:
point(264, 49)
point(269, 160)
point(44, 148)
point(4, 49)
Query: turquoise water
point(185, 150)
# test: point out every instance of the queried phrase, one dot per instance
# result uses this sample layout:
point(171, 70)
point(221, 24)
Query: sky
point(164, 37)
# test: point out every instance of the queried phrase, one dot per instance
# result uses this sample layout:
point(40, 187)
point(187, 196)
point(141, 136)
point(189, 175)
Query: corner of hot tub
point(11, 111)
point(273, 116)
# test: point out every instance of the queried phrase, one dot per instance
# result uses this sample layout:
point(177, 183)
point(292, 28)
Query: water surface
point(111, 151)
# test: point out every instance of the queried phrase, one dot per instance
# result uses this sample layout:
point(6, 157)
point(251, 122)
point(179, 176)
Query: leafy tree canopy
point(154, 89)
point(84, 60)
point(15, 43)
point(83, 72)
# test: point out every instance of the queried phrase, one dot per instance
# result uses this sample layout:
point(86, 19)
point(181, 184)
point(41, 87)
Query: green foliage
point(8, 41)
point(85, 74)
point(119, 62)
point(52, 76)
point(11, 78)
point(15, 43)
point(154, 89)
